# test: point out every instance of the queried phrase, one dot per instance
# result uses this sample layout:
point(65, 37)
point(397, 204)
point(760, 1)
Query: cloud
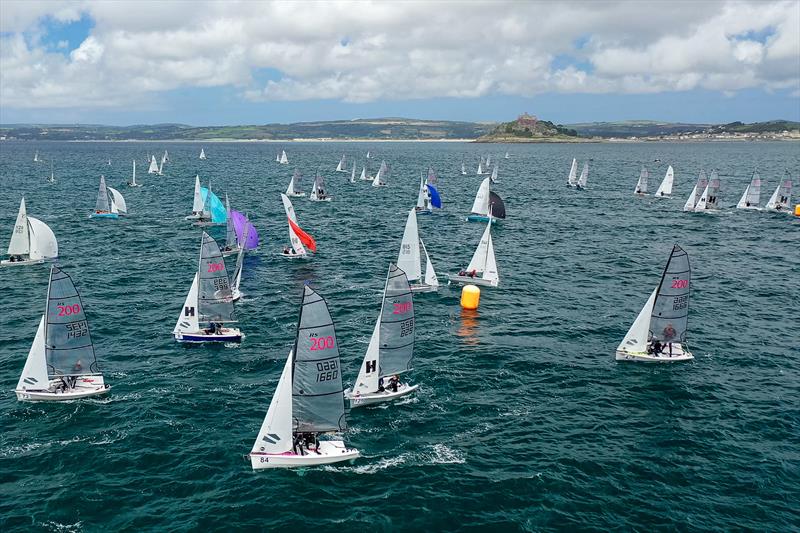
point(362, 52)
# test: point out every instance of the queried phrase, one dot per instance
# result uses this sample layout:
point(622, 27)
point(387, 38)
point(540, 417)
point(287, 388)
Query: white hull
point(330, 451)
point(328, 199)
point(467, 280)
point(85, 387)
point(363, 400)
point(296, 194)
point(8, 263)
point(223, 335)
point(294, 256)
point(227, 253)
point(678, 355)
point(421, 287)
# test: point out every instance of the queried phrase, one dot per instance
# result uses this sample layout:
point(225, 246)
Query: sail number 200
point(679, 283)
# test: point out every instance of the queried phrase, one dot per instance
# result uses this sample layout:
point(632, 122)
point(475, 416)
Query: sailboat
point(36, 156)
point(297, 237)
point(665, 189)
point(697, 191)
point(283, 160)
point(61, 363)
point(481, 167)
point(409, 259)
point(380, 177)
point(209, 301)
point(781, 199)
point(197, 203)
point(641, 185)
point(277, 157)
point(487, 200)
point(308, 400)
point(488, 163)
point(153, 168)
point(427, 197)
point(102, 208)
point(572, 178)
point(752, 194)
point(206, 217)
point(166, 157)
point(493, 177)
point(294, 185)
point(202, 154)
point(133, 183)
point(342, 166)
point(364, 175)
point(391, 348)
point(709, 200)
point(236, 279)
point(353, 173)
point(581, 183)
point(118, 205)
point(52, 178)
point(318, 192)
point(659, 332)
point(232, 244)
point(32, 241)
point(482, 269)
point(506, 156)
point(463, 168)
point(367, 154)
point(161, 166)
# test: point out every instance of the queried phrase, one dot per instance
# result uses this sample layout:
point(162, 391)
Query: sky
point(201, 63)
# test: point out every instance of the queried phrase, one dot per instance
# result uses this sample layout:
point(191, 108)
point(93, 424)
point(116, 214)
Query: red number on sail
point(215, 267)
point(67, 310)
point(679, 283)
point(401, 308)
point(322, 343)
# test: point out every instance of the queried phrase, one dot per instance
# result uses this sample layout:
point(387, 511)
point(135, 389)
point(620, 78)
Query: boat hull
point(678, 355)
point(421, 287)
point(330, 451)
point(8, 263)
point(480, 218)
point(104, 215)
point(372, 398)
point(85, 387)
point(467, 280)
point(294, 256)
point(229, 252)
point(228, 335)
point(328, 199)
point(296, 195)
point(421, 211)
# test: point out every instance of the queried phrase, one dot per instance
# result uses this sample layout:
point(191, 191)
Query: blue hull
point(104, 215)
point(480, 218)
point(209, 338)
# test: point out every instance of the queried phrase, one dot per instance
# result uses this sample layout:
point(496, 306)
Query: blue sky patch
point(64, 37)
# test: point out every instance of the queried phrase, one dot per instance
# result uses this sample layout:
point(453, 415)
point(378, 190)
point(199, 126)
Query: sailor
point(380, 385)
point(297, 444)
point(669, 334)
point(212, 328)
point(78, 366)
point(393, 381)
point(285, 250)
point(656, 347)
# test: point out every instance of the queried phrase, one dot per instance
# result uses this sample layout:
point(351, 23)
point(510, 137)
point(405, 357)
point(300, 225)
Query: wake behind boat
point(308, 401)
point(209, 301)
point(658, 335)
point(61, 363)
point(32, 241)
point(391, 347)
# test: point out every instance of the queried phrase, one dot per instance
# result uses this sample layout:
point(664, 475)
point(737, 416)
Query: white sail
point(423, 200)
point(153, 169)
point(430, 274)
point(341, 166)
point(481, 204)
point(641, 185)
point(490, 270)
point(488, 162)
point(20, 237)
point(237, 271)
point(161, 166)
point(463, 169)
point(275, 435)
point(665, 189)
point(118, 200)
point(34, 374)
point(478, 261)
point(43, 244)
point(364, 173)
point(197, 203)
point(318, 192)
point(709, 199)
point(188, 319)
point(494, 174)
point(572, 179)
point(133, 177)
point(166, 156)
point(52, 178)
point(283, 160)
point(636, 339)
point(584, 176)
point(36, 157)
point(703, 201)
point(290, 188)
point(380, 177)
point(353, 173)
point(367, 380)
point(297, 245)
point(408, 258)
point(507, 155)
point(752, 194)
point(480, 167)
point(690, 202)
point(202, 153)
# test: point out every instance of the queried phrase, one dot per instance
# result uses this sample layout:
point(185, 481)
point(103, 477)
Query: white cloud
point(394, 50)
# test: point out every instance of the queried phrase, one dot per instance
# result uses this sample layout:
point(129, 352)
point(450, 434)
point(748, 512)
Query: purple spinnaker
point(239, 221)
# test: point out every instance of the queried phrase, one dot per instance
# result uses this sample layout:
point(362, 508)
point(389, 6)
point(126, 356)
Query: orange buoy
point(470, 297)
point(797, 210)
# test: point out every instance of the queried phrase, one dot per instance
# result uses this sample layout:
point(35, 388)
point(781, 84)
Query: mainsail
point(68, 344)
point(214, 296)
point(102, 197)
point(572, 179)
point(409, 259)
point(153, 169)
point(317, 392)
point(481, 204)
point(584, 175)
point(697, 192)
point(752, 194)
point(641, 185)
point(396, 347)
point(782, 196)
point(20, 238)
point(342, 164)
point(670, 316)
point(230, 230)
point(665, 189)
point(197, 204)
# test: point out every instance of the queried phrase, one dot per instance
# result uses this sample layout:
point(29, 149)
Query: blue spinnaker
point(436, 200)
point(218, 213)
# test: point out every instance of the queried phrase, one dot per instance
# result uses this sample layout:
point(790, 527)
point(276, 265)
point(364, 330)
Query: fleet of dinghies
point(306, 417)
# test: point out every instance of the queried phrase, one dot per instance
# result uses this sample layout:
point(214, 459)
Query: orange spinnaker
point(305, 238)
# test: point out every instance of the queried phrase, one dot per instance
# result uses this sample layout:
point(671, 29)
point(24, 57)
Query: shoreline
point(578, 140)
